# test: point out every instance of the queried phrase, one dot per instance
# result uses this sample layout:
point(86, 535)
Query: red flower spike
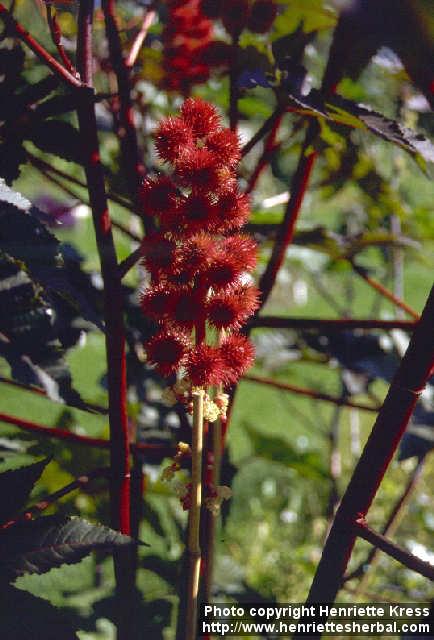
point(230, 309)
point(224, 269)
point(237, 354)
point(226, 146)
point(187, 31)
point(195, 255)
point(159, 196)
point(167, 351)
point(199, 169)
point(242, 248)
point(159, 254)
point(204, 366)
point(235, 14)
point(262, 16)
point(197, 213)
point(157, 302)
point(202, 117)
point(211, 8)
point(172, 138)
point(188, 308)
point(232, 210)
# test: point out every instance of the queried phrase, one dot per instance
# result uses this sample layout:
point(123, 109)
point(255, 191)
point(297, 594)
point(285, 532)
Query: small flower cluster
point(196, 260)
point(181, 392)
point(189, 48)
point(183, 450)
point(236, 15)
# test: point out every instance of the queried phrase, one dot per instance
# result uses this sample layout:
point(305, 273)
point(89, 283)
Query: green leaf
point(280, 451)
point(312, 15)
point(16, 486)
point(357, 116)
point(39, 545)
point(26, 617)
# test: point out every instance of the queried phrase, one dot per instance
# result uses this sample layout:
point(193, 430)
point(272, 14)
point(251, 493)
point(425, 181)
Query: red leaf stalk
point(298, 189)
point(408, 382)
point(20, 32)
point(327, 324)
point(133, 166)
point(311, 393)
point(153, 451)
point(384, 291)
point(394, 551)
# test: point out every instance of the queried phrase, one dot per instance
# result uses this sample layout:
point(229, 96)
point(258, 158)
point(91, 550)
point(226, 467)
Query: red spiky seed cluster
point(189, 49)
point(236, 15)
point(196, 259)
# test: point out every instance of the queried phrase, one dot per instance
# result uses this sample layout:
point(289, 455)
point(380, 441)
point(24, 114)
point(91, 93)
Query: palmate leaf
point(40, 545)
point(25, 617)
point(15, 487)
point(358, 116)
point(29, 335)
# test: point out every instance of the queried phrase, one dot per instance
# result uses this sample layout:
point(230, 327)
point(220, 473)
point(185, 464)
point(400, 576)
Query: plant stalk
point(194, 552)
point(407, 385)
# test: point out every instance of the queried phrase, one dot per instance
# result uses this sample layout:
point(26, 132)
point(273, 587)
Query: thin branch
point(41, 164)
point(392, 420)
point(56, 36)
point(140, 38)
point(17, 29)
point(131, 157)
point(286, 230)
point(310, 393)
point(151, 450)
point(87, 406)
point(115, 223)
point(394, 551)
point(391, 523)
point(262, 131)
point(233, 84)
point(384, 291)
point(327, 324)
point(40, 506)
point(270, 148)
point(130, 261)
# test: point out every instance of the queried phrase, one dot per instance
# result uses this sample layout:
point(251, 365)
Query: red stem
point(133, 166)
point(394, 551)
point(140, 37)
point(262, 131)
point(269, 148)
point(311, 393)
point(386, 293)
point(115, 339)
point(391, 522)
point(408, 382)
point(20, 32)
point(56, 36)
point(233, 87)
point(120, 477)
point(325, 324)
point(286, 230)
point(152, 451)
